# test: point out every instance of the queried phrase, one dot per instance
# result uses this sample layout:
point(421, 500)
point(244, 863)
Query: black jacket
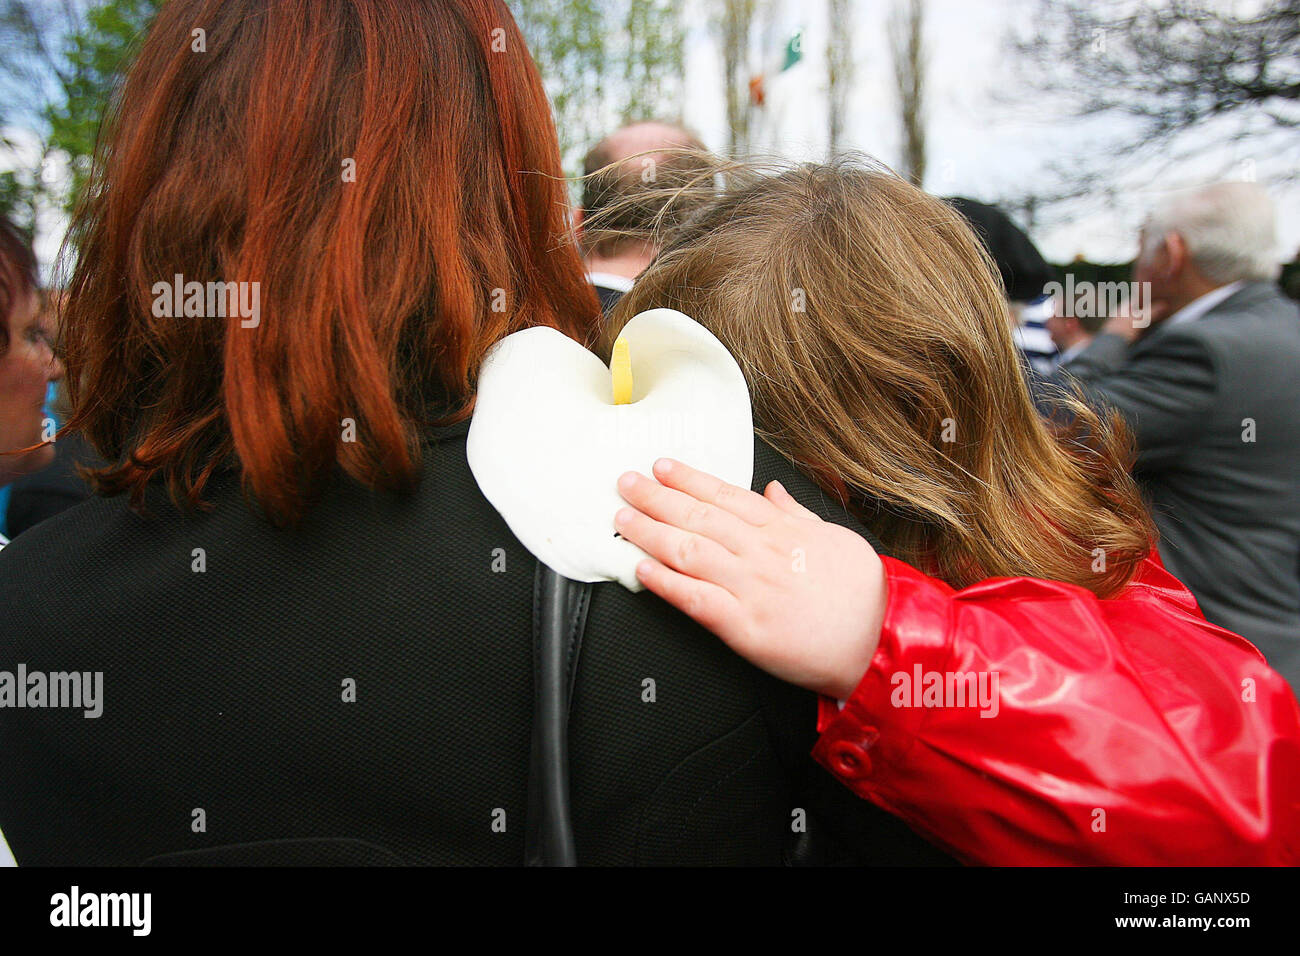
point(223, 693)
point(608, 297)
point(45, 493)
point(1215, 404)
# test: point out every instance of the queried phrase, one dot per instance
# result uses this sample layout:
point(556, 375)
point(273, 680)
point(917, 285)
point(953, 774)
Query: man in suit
point(1207, 373)
point(625, 174)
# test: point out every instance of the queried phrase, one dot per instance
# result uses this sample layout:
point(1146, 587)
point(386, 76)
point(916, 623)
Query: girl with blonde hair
point(1021, 582)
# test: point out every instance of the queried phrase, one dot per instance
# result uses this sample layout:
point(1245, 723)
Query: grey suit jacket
point(1215, 405)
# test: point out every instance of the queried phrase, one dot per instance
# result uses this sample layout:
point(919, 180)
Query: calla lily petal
point(548, 443)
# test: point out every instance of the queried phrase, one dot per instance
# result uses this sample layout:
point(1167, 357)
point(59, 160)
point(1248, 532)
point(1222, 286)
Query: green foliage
point(96, 57)
point(602, 62)
point(1084, 271)
point(605, 62)
point(567, 40)
point(653, 65)
point(15, 200)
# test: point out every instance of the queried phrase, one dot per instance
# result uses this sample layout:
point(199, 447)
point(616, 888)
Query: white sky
point(987, 135)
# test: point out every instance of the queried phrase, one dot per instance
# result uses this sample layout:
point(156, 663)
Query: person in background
point(618, 245)
point(1207, 377)
point(1024, 273)
point(27, 362)
point(44, 493)
point(1071, 333)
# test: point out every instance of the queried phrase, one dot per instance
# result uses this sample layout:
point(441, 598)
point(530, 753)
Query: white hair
point(1229, 230)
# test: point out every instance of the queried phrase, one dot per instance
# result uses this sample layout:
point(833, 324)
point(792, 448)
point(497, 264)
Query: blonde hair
point(872, 329)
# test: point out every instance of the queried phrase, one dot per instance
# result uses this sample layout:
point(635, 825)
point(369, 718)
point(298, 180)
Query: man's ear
point(579, 215)
point(1176, 255)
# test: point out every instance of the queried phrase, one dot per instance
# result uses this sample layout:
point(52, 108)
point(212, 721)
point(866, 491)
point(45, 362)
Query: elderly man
point(1207, 373)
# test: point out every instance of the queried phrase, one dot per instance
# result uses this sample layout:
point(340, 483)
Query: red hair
point(380, 291)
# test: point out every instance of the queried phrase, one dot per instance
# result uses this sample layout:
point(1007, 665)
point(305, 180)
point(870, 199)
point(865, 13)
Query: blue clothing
point(51, 394)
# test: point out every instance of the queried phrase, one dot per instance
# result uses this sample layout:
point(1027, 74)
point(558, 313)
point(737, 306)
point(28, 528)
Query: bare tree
point(34, 64)
point(1228, 73)
point(907, 42)
point(839, 66)
point(1171, 65)
point(735, 22)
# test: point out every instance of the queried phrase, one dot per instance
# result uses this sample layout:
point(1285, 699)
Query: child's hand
point(800, 597)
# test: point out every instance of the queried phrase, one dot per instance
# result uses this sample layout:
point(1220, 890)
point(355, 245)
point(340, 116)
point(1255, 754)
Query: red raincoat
point(1023, 721)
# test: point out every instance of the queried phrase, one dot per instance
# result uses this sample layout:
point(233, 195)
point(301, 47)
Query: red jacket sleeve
point(1022, 721)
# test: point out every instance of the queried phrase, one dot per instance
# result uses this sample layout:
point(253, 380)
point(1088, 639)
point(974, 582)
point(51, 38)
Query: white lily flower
point(554, 428)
